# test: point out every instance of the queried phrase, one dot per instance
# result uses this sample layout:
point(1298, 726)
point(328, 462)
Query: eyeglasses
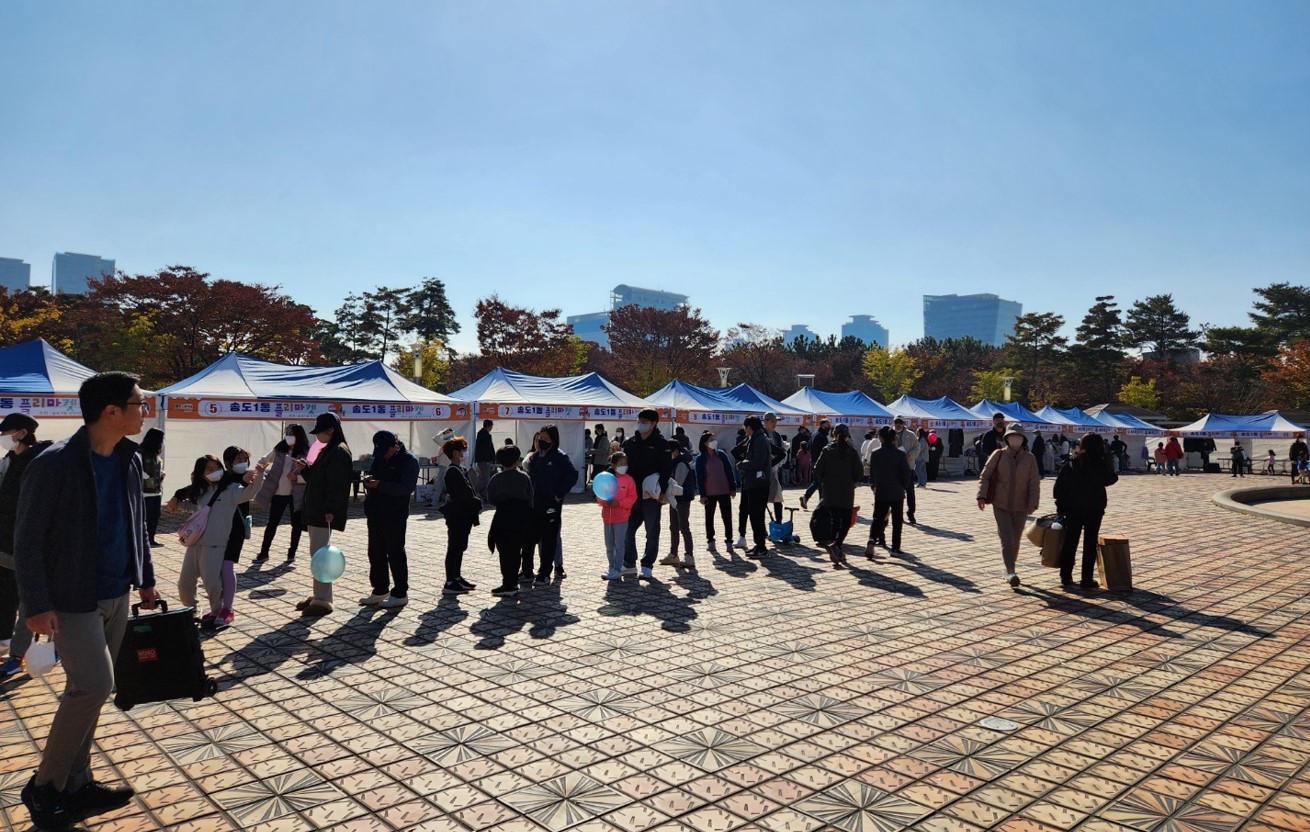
point(135, 404)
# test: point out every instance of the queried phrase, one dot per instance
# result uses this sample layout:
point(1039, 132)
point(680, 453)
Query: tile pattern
point(772, 694)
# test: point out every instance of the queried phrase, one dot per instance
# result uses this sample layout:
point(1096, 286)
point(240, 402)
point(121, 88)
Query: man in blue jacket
point(79, 547)
point(391, 480)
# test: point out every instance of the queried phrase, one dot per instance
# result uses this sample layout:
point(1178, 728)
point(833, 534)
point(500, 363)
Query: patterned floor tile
point(565, 801)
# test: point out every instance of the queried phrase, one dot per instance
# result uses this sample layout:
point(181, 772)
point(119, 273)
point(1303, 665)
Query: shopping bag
point(1052, 542)
point(41, 657)
point(1114, 564)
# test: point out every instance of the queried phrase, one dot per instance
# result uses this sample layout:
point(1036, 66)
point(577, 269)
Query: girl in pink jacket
point(614, 513)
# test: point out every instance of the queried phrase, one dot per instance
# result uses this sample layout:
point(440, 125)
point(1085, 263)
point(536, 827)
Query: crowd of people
point(78, 519)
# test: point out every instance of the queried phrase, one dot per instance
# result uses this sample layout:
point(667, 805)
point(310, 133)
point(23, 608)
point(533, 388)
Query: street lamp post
point(723, 376)
point(418, 363)
point(1008, 381)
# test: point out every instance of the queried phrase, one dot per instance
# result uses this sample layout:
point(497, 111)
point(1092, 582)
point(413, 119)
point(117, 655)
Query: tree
point(1036, 348)
point(1290, 375)
point(1156, 323)
point(891, 372)
point(522, 339)
point(429, 314)
point(649, 347)
point(25, 314)
point(1097, 353)
point(1141, 394)
point(382, 313)
point(836, 364)
point(990, 384)
point(436, 364)
point(949, 364)
point(759, 358)
point(1283, 311)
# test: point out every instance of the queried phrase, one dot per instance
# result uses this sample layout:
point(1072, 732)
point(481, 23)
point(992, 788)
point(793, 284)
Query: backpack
point(823, 525)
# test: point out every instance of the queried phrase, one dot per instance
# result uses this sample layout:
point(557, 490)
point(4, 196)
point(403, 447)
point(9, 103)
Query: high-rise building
point(799, 331)
point(71, 272)
point(588, 326)
point(986, 317)
point(867, 329)
point(15, 275)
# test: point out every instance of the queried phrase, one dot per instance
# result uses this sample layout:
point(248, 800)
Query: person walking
point(1011, 486)
point(936, 447)
point(648, 454)
point(461, 510)
point(994, 438)
point(921, 459)
point(1080, 500)
point(283, 492)
point(614, 516)
point(716, 482)
point(484, 457)
point(600, 451)
point(326, 501)
point(680, 508)
point(891, 479)
point(391, 479)
point(1161, 458)
point(908, 441)
point(553, 477)
point(79, 547)
point(510, 491)
point(778, 448)
point(817, 444)
point(1039, 453)
point(153, 486)
point(20, 445)
point(839, 469)
point(754, 467)
point(1173, 454)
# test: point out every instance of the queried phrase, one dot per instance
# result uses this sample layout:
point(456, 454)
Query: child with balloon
point(616, 492)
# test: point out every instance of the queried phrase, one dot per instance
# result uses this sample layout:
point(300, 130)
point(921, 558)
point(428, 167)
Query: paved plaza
point(918, 692)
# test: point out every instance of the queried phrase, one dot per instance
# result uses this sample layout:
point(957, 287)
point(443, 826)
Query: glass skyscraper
point(986, 317)
point(15, 275)
point(867, 329)
point(71, 272)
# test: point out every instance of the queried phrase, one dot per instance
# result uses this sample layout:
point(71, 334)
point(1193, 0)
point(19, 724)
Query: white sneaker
point(611, 576)
point(373, 600)
point(1013, 578)
point(628, 571)
point(741, 542)
point(393, 602)
point(646, 573)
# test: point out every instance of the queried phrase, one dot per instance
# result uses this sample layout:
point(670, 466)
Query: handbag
point(194, 528)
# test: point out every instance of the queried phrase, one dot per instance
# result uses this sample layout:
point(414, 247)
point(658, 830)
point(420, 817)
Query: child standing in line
point(237, 462)
point(803, 463)
point(614, 514)
point(510, 491)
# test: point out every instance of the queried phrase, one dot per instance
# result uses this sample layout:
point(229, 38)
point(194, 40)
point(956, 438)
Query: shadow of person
point(354, 640)
point(794, 573)
point(933, 531)
point(447, 613)
point(1146, 603)
point(650, 597)
point(540, 610)
point(906, 560)
point(867, 577)
point(733, 564)
point(266, 652)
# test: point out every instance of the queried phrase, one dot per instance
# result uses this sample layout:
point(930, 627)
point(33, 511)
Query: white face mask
point(240, 467)
point(215, 475)
point(622, 469)
point(8, 442)
point(290, 439)
point(644, 428)
point(714, 444)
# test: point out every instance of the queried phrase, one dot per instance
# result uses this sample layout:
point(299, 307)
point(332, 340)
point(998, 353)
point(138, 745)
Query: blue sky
point(779, 162)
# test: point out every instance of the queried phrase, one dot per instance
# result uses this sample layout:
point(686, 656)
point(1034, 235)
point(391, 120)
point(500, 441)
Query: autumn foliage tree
point(650, 347)
point(526, 340)
point(758, 357)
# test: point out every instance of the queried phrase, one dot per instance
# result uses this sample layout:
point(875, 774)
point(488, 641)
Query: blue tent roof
point(742, 399)
point(1265, 424)
point(754, 400)
point(236, 376)
point(1072, 417)
point(36, 367)
point(823, 403)
point(509, 387)
point(1012, 411)
point(936, 410)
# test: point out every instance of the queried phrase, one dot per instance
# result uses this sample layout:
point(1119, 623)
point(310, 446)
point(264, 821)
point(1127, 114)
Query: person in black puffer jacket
point(553, 477)
point(1080, 500)
point(648, 453)
point(754, 468)
point(19, 434)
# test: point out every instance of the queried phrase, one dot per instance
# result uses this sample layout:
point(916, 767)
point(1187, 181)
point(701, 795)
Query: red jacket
point(627, 498)
point(1173, 450)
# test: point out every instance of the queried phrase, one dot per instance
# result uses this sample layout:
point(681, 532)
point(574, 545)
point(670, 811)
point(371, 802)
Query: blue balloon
point(328, 564)
point(605, 485)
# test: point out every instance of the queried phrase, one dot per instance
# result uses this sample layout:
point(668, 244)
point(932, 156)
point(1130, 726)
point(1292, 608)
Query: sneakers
point(261, 557)
point(155, 544)
point(291, 557)
point(11, 666)
point(373, 600)
point(453, 588)
point(394, 602)
point(526, 577)
point(757, 552)
point(671, 559)
point(870, 550)
point(1089, 585)
point(541, 582)
point(805, 501)
point(909, 518)
point(628, 572)
point(305, 603)
point(1012, 578)
point(611, 576)
point(316, 608)
point(646, 573)
point(209, 622)
point(225, 617)
point(469, 586)
point(741, 542)
point(95, 798)
point(689, 563)
point(506, 591)
point(45, 805)
point(560, 574)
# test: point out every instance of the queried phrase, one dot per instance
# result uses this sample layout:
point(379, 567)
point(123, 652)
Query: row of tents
point(246, 401)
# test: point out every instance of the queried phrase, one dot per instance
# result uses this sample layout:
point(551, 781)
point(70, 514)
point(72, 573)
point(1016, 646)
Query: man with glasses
point(79, 547)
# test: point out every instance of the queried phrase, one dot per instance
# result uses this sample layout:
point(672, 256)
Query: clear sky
point(780, 162)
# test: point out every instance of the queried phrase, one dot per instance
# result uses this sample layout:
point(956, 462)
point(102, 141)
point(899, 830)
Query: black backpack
point(823, 525)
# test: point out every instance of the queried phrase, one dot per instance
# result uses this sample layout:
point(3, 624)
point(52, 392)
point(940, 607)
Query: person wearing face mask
point(1011, 485)
point(754, 467)
point(19, 446)
point(237, 462)
point(908, 441)
point(680, 509)
point(205, 561)
point(153, 486)
point(327, 498)
point(614, 515)
point(600, 451)
point(461, 510)
point(283, 492)
point(553, 477)
point(716, 482)
point(648, 454)
point(390, 482)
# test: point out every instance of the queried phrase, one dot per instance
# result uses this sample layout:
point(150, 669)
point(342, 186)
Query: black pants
point(8, 603)
point(276, 507)
point(723, 503)
point(457, 543)
point(878, 531)
point(680, 524)
point(548, 524)
point(1089, 527)
point(386, 551)
point(909, 498)
point(756, 503)
point(154, 502)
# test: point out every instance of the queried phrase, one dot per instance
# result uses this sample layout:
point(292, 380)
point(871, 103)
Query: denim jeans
point(615, 543)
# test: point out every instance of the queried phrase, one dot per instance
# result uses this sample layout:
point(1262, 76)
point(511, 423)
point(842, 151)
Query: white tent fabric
point(521, 405)
point(245, 401)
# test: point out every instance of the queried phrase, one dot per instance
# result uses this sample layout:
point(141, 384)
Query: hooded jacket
point(553, 477)
point(1080, 487)
point(327, 487)
point(397, 478)
point(9, 489)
